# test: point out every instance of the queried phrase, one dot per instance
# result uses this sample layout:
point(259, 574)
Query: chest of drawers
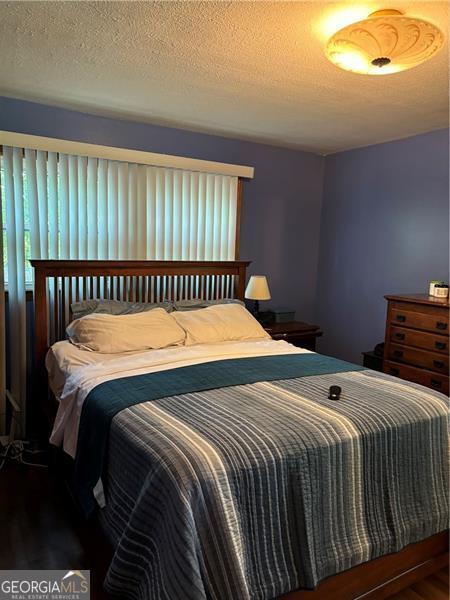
point(417, 340)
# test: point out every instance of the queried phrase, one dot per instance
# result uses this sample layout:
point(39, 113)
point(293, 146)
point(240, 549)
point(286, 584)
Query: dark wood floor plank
point(442, 585)
point(429, 591)
point(443, 575)
point(433, 587)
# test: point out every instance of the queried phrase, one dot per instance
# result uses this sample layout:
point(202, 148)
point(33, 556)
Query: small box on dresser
point(417, 340)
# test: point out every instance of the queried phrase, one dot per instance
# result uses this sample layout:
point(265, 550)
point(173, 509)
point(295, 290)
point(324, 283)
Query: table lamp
point(257, 289)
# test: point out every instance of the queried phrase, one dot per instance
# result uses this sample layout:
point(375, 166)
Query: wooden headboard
point(59, 283)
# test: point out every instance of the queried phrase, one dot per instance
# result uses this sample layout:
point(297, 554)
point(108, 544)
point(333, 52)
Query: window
point(57, 205)
point(79, 207)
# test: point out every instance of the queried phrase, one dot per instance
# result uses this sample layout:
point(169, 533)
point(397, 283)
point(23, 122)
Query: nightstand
point(297, 333)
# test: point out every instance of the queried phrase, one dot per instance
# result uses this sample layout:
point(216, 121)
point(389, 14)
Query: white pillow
point(111, 334)
point(220, 323)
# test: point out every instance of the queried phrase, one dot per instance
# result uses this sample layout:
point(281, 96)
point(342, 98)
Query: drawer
point(418, 358)
point(436, 381)
point(419, 339)
point(426, 322)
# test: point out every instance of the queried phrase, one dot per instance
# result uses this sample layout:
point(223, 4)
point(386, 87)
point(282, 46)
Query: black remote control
point(335, 392)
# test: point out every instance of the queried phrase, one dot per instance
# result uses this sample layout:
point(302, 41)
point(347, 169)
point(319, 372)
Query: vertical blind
point(73, 207)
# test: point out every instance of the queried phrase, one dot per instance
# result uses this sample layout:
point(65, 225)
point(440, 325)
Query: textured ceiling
point(253, 70)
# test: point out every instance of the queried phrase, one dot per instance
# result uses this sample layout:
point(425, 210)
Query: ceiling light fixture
point(386, 42)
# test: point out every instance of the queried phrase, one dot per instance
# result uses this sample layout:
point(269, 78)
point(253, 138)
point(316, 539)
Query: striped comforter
point(256, 490)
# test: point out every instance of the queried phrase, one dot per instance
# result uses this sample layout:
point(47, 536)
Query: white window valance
point(34, 142)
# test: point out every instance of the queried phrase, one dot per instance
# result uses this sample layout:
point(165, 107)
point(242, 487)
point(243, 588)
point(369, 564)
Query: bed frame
point(58, 283)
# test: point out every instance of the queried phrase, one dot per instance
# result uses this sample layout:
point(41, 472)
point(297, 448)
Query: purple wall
point(382, 223)
point(385, 230)
point(281, 205)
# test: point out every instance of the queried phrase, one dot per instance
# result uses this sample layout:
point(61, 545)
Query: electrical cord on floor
point(14, 451)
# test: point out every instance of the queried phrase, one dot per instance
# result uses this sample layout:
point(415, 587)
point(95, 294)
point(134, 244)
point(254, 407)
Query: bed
point(224, 470)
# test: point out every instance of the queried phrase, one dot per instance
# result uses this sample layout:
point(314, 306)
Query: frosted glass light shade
point(386, 42)
point(257, 288)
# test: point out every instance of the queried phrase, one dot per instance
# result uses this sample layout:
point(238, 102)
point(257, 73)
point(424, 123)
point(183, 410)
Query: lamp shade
point(257, 288)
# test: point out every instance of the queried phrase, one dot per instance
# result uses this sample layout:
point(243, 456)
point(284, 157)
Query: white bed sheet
point(63, 358)
point(74, 373)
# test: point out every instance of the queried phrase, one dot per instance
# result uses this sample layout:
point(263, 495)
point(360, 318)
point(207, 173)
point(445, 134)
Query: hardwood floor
point(39, 530)
point(433, 587)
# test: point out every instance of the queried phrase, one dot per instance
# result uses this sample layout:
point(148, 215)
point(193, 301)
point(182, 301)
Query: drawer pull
point(398, 353)
point(440, 345)
point(401, 318)
point(441, 325)
point(436, 383)
point(438, 364)
point(393, 371)
point(399, 336)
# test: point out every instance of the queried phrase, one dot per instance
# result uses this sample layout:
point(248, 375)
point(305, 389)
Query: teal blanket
point(111, 397)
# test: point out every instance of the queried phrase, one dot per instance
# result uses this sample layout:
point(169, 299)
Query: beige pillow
point(224, 322)
point(111, 334)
